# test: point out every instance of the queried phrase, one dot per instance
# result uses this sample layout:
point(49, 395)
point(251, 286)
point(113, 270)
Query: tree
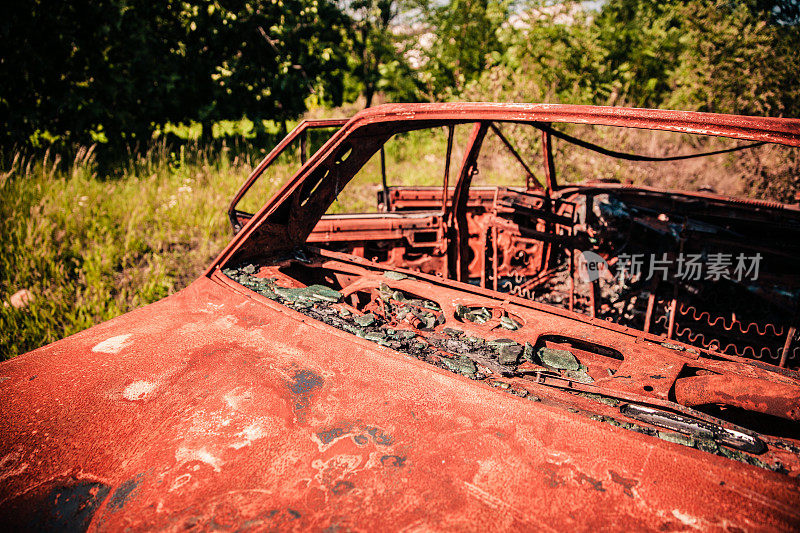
point(262, 59)
point(371, 41)
point(72, 68)
point(713, 55)
point(118, 68)
point(465, 35)
point(740, 59)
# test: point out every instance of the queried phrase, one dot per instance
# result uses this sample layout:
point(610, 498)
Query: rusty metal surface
point(295, 387)
point(298, 132)
point(784, 131)
point(216, 408)
point(527, 254)
point(759, 396)
point(514, 258)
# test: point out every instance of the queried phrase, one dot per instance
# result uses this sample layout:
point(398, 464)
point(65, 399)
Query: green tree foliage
point(711, 55)
point(465, 40)
point(121, 67)
point(372, 42)
point(261, 59)
point(738, 58)
point(639, 42)
point(778, 11)
point(69, 68)
point(118, 69)
point(553, 55)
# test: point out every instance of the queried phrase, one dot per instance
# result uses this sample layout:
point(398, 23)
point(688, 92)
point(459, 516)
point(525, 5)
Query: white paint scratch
point(496, 503)
point(12, 459)
point(226, 322)
point(252, 432)
point(184, 455)
point(235, 397)
point(138, 390)
point(179, 482)
point(686, 519)
point(112, 345)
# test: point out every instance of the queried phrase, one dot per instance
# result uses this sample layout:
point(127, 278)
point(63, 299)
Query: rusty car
point(463, 356)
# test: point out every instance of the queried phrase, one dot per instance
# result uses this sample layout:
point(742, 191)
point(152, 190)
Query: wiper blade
point(695, 428)
point(724, 432)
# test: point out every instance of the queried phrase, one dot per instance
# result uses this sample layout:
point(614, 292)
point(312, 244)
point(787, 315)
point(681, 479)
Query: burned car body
point(448, 362)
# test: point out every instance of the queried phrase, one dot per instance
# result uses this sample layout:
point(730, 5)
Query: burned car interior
point(672, 314)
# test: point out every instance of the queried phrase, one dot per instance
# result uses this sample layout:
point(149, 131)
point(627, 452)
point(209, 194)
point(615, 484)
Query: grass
point(90, 245)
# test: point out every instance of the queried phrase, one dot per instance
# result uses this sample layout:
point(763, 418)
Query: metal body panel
point(213, 409)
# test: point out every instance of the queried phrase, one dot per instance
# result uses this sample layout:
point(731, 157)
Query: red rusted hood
point(210, 409)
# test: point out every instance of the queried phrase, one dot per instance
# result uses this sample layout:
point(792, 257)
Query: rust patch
point(627, 483)
point(596, 484)
point(330, 435)
point(551, 474)
point(120, 496)
point(395, 461)
point(360, 433)
point(379, 437)
point(302, 387)
point(342, 487)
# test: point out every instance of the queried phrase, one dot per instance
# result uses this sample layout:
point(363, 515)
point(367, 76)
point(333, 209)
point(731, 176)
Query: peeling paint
point(112, 345)
point(249, 434)
point(139, 390)
point(686, 519)
point(185, 455)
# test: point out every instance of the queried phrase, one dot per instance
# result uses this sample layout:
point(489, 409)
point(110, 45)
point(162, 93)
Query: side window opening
point(405, 175)
point(284, 164)
point(510, 156)
point(271, 179)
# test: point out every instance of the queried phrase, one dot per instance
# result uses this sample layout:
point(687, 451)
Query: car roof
point(769, 129)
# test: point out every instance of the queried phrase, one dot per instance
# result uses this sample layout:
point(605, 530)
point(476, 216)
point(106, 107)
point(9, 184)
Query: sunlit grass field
point(89, 247)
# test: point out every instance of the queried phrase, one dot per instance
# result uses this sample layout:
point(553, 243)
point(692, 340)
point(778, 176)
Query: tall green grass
point(90, 246)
